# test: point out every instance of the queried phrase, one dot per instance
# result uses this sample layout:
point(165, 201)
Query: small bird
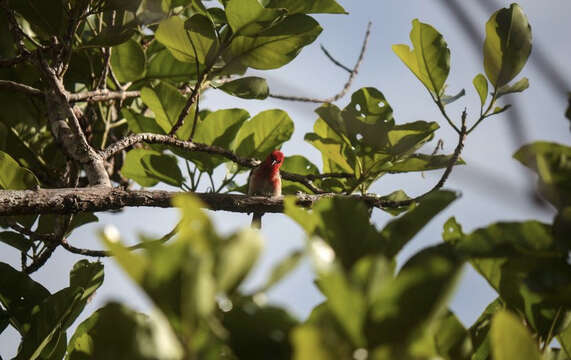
point(265, 180)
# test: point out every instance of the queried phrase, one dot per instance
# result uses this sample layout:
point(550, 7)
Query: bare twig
point(102, 95)
point(12, 85)
point(333, 60)
point(192, 99)
point(346, 87)
point(13, 61)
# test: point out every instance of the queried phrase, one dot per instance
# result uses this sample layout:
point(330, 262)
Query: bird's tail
point(257, 220)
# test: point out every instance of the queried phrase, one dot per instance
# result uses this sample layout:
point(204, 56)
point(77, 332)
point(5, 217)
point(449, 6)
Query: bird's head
point(275, 159)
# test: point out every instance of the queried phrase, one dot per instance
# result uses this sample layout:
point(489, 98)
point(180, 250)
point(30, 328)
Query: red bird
point(265, 180)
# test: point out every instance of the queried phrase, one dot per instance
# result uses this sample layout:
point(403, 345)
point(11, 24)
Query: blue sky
point(494, 187)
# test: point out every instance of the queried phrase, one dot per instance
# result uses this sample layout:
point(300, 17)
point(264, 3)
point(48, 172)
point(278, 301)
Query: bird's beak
point(274, 161)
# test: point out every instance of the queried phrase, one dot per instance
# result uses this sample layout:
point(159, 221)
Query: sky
point(494, 187)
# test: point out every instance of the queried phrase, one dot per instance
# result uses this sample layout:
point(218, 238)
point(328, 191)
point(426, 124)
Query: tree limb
point(94, 199)
point(12, 85)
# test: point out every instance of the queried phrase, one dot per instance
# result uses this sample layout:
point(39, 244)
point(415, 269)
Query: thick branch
point(94, 199)
point(346, 87)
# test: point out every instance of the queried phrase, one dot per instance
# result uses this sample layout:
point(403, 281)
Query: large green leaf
point(511, 340)
point(263, 133)
point(275, 46)
point(202, 37)
point(344, 224)
point(167, 103)
point(117, 332)
point(19, 294)
point(258, 332)
point(480, 331)
point(218, 128)
point(422, 162)
point(58, 311)
point(251, 87)
point(398, 311)
point(172, 34)
point(112, 36)
point(236, 259)
point(138, 123)
point(148, 167)
point(13, 176)
point(406, 138)
point(48, 16)
point(399, 232)
point(16, 240)
point(249, 17)
point(297, 164)
point(164, 66)
point(507, 45)
point(552, 162)
point(429, 59)
point(308, 7)
point(128, 61)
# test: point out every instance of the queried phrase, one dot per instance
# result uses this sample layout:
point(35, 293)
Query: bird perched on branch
point(265, 180)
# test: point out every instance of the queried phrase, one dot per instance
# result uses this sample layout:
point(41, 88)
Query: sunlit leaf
point(128, 61)
point(429, 59)
point(510, 339)
point(507, 45)
point(251, 87)
point(481, 84)
point(519, 86)
point(148, 167)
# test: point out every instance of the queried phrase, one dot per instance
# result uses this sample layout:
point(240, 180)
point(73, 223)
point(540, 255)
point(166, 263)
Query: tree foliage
point(107, 93)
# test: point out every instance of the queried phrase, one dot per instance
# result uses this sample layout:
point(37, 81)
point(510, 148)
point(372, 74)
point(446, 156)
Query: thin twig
point(12, 85)
point(333, 60)
point(346, 87)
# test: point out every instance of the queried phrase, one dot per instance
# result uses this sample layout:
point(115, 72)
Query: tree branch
point(150, 138)
point(94, 199)
point(102, 95)
point(12, 85)
point(346, 87)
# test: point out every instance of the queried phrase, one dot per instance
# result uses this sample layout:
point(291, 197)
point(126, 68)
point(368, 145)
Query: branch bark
point(94, 199)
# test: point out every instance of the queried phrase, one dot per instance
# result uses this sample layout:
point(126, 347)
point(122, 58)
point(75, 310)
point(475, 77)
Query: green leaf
point(480, 331)
point(530, 238)
point(138, 123)
point(507, 45)
point(250, 87)
point(275, 46)
point(148, 167)
point(399, 232)
point(564, 339)
point(331, 152)
point(218, 128)
point(19, 295)
point(236, 259)
point(13, 176)
point(449, 99)
point(510, 339)
point(167, 103)
point(164, 66)
point(429, 59)
point(308, 7)
point(48, 16)
point(422, 162)
point(263, 133)
point(552, 162)
point(406, 138)
point(87, 276)
point(341, 295)
point(111, 36)
point(519, 86)
point(297, 164)
point(202, 37)
point(172, 34)
point(249, 17)
point(117, 332)
point(310, 344)
point(258, 332)
point(499, 110)
point(398, 311)
point(282, 269)
point(397, 196)
point(481, 84)
point(128, 61)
